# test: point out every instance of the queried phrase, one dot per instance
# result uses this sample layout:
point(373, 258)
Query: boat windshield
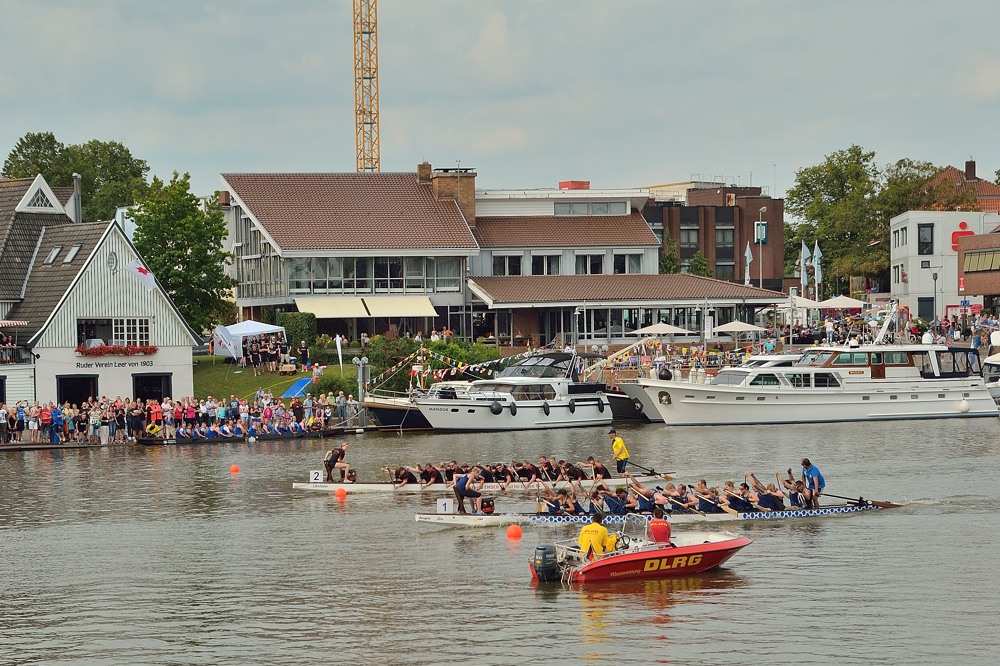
point(814, 358)
point(634, 526)
point(544, 365)
point(730, 377)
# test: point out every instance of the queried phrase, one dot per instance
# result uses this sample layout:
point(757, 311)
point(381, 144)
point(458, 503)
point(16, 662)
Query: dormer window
point(53, 254)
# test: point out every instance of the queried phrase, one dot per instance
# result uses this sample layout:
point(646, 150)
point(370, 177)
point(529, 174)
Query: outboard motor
point(665, 374)
point(544, 564)
point(488, 505)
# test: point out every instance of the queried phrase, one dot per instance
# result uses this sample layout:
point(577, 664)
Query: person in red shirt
point(45, 418)
point(659, 527)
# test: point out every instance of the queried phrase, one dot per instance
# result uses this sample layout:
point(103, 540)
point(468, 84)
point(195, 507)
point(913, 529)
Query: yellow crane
point(366, 139)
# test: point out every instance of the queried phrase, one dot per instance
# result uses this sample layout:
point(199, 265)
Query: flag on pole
point(749, 257)
point(818, 266)
point(803, 275)
point(224, 340)
point(340, 355)
point(143, 273)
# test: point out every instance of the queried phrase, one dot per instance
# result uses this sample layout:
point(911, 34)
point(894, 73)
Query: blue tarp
point(298, 389)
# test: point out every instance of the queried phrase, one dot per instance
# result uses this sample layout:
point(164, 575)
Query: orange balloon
point(514, 532)
point(341, 493)
point(234, 469)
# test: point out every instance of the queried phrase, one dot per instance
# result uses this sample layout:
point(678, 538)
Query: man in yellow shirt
point(594, 538)
point(619, 451)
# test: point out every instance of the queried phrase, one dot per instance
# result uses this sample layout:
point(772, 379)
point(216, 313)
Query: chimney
point(458, 184)
point(970, 169)
point(77, 203)
point(223, 197)
point(424, 172)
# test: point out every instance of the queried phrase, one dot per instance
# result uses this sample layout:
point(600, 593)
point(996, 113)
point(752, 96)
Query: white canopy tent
point(229, 339)
point(842, 303)
point(661, 328)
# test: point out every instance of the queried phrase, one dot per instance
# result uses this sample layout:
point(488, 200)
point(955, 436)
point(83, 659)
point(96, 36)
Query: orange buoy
point(514, 532)
point(234, 469)
point(341, 493)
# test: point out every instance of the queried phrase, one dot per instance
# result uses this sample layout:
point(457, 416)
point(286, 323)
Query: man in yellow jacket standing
point(619, 451)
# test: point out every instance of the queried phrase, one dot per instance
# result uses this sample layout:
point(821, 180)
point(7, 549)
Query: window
point(594, 208)
point(579, 208)
point(725, 271)
point(589, 264)
point(506, 264)
point(628, 263)
point(71, 255)
point(599, 208)
point(764, 380)
point(53, 254)
point(561, 209)
point(987, 260)
point(688, 238)
point(825, 380)
point(925, 239)
point(130, 332)
point(723, 236)
point(798, 380)
point(545, 264)
point(39, 200)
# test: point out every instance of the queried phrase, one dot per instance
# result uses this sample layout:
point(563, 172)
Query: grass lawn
point(213, 376)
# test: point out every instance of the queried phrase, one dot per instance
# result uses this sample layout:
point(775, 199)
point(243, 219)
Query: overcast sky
point(528, 93)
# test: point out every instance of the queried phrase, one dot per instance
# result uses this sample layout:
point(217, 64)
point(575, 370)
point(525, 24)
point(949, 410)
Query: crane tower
point(366, 140)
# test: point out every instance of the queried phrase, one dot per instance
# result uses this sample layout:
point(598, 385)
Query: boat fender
point(496, 408)
point(544, 564)
point(572, 406)
point(513, 409)
point(600, 406)
point(665, 374)
point(963, 407)
point(546, 408)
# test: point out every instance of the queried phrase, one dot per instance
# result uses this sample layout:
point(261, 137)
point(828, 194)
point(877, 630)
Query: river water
point(162, 556)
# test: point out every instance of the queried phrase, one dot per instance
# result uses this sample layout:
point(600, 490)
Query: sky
point(527, 92)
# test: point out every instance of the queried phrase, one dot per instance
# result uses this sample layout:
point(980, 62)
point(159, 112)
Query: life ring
point(600, 406)
point(496, 407)
point(513, 409)
point(546, 408)
point(572, 406)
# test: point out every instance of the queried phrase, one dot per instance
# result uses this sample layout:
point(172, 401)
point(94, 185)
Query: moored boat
point(636, 555)
point(540, 392)
point(528, 518)
point(400, 412)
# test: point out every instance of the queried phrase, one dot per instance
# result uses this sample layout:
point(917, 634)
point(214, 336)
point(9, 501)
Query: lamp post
point(362, 370)
point(934, 276)
point(760, 231)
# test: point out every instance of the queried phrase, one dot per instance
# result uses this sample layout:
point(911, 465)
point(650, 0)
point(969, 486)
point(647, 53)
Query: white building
point(924, 259)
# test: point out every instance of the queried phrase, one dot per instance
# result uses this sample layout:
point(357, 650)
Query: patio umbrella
point(738, 327)
point(660, 328)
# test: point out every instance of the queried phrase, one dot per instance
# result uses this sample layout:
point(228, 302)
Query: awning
point(332, 308)
point(10, 323)
point(400, 306)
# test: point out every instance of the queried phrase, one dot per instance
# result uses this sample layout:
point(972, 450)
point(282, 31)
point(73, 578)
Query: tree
point(669, 261)
point(847, 202)
point(110, 175)
point(181, 243)
point(699, 265)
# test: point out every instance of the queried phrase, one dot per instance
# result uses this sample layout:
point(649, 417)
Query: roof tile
point(564, 231)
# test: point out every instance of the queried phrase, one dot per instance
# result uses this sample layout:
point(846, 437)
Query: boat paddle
point(861, 501)
point(685, 507)
point(732, 512)
point(753, 504)
point(665, 475)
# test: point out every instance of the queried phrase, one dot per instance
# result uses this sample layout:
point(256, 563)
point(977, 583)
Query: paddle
point(665, 476)
point(683, 506)
point(862, 501)
point(732, 512)
point(752, 503)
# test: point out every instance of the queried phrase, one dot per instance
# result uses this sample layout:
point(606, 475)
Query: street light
point(760, 231)
point(934, 276)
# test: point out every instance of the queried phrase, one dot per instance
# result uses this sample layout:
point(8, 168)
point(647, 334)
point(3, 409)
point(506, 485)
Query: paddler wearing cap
point(619, 451)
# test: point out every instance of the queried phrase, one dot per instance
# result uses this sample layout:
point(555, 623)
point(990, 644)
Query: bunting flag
point(818, 266)
point(143, 273)
point(749, 257)
point(803, 274)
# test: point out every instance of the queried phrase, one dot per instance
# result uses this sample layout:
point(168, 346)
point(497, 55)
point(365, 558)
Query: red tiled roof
point(529, 289)
point(564, 231)
point(983, 187)
point(347, 211)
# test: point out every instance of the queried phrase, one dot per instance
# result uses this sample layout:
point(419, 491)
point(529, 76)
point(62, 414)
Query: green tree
point(847, 202)
point(110, 175)
point(181, 242)
point(669, 259)
point(699, 265)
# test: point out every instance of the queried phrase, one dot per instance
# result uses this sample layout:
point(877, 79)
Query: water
point(161, 556)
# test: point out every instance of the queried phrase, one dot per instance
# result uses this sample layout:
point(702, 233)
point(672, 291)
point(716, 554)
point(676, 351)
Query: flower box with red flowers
point(117, 350)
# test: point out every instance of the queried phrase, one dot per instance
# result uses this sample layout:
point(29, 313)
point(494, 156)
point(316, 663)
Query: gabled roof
point(19, 234)
point(349, 211)
point(987, 193)
point(565, 231)
point(48, 282)
point(518, 290)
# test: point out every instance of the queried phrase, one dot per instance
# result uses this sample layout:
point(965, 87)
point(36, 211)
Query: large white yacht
point(537, 393)
point(867, 382)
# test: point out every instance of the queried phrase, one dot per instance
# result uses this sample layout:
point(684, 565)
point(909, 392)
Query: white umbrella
point(801, 303)
point(842, 303)
point(737, 327)
point(661, 328)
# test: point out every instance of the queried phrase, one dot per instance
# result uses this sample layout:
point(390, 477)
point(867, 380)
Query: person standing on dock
point(619, 451)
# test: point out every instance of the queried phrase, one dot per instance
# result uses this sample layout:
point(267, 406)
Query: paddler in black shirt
point(403, 476)
point(430, 475)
